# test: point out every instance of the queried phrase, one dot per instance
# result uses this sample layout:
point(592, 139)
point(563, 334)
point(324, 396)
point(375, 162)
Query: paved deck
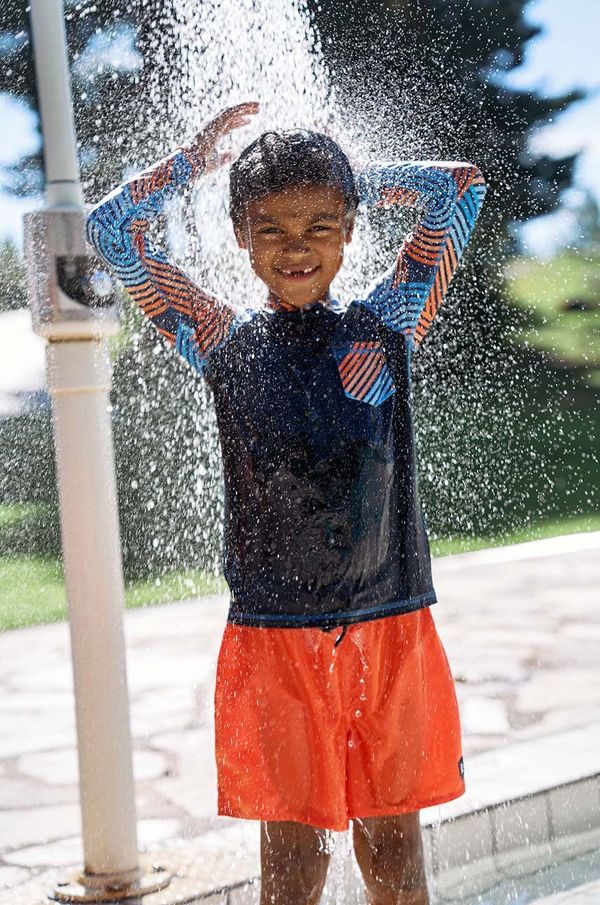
point(521, 626)
point(587, 894)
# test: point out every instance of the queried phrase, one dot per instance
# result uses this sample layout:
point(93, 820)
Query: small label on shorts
point(461, 768)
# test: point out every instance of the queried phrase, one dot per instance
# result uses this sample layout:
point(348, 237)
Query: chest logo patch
point(364, 372)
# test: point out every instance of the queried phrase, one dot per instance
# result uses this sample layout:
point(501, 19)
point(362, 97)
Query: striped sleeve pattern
point(188, 317)
point(407, 297)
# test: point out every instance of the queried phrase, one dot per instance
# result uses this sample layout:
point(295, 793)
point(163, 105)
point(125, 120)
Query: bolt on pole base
point(82, 887)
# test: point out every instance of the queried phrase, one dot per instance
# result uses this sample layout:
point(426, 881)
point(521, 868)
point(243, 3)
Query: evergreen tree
point(427, 78)
point(587, 213)
point(433, 72)
point(107, 95)
point(12, 277)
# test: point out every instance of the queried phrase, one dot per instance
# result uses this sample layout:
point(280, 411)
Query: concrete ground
point(521, 627)
point(587, 894)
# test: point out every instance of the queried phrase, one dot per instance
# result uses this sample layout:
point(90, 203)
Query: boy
point(334, 700)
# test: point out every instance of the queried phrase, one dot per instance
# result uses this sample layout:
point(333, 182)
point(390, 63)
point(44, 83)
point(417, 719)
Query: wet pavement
point(521, 627)
point(587, 894)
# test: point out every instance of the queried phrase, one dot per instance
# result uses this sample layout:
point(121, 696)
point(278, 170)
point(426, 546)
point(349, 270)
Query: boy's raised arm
point(450, 194)
point(194, 322)
point(191, 319)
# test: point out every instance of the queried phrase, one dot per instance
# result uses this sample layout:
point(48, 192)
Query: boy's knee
point(294, 862)
point(389, 852)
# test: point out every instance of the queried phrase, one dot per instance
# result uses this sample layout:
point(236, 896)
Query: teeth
point(304, 270)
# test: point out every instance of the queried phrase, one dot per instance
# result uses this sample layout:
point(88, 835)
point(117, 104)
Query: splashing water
point(227, 53)
point(209, 55)
point(200, 57)
point(212, 55)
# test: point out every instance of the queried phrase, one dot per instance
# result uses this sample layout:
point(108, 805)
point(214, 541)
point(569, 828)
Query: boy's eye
point(268, 230)
point(320, 226)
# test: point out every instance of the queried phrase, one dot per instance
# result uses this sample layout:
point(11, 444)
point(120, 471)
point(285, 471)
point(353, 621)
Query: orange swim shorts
point(319, 732)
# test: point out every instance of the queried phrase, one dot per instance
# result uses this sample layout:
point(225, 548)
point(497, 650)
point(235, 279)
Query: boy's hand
point(205, 142)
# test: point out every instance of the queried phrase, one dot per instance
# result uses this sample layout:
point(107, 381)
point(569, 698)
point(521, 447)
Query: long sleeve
point(187, 316)
point(450, 194)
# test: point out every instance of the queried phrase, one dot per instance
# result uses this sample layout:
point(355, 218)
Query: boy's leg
point(389, 852)
point(294, 859)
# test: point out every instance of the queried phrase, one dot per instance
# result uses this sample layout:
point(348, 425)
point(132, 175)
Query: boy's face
point(295, 239)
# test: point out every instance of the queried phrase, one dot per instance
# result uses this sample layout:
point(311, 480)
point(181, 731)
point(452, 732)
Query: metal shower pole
point(73, 307)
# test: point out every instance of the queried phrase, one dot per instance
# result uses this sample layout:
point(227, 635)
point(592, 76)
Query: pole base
point(80, 887)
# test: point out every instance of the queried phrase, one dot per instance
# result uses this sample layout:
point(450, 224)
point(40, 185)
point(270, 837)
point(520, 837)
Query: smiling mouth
point(297, 273)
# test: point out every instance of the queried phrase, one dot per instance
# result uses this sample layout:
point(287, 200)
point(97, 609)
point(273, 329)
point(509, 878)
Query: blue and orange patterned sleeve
point(450, 195)
point(187, 316)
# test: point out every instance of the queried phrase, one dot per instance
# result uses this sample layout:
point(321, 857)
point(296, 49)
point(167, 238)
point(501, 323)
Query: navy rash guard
point(323, 523)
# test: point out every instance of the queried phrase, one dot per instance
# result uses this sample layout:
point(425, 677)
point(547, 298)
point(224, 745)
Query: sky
point(564, 56)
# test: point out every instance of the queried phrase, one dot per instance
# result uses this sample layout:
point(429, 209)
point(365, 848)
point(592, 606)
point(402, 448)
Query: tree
point(113, 50)
point(587, 212)
point(427, 78)
point(12, 277)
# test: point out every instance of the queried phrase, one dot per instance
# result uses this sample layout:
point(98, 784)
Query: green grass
point(551, 528)
point(542, 288)
point(174, 586)
point(17, 513)
point(546, 284)
point(32, 589)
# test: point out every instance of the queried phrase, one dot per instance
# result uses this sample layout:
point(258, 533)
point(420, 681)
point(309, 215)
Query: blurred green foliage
point(563, 295)
point(12, 277)
point(107, 100)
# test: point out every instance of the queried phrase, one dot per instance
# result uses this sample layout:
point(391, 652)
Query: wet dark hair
point(279, 160)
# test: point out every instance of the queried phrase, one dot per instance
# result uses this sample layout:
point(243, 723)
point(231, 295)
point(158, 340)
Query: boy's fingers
point(234, 124)
point(239, 110)
point(247, 105)
point(240, 114)
point(240, 121)
point(228, 120)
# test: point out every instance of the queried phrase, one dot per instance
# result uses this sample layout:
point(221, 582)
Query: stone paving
point(521, 627)
point(587, 894)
